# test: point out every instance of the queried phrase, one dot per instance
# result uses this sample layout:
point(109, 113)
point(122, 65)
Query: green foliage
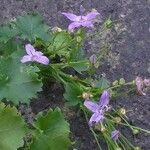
point(17, 81)
point(77, 54)
point(9, 47)
point(102, 83)
point(51, 133)
point(31, 27)
point(60, 44)
point(12, 128)
point(72, 93)
point(108, 23)
point(7, 32)
point(80, 66)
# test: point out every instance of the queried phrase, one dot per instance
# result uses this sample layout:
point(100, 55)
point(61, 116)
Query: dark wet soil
point(129, 57)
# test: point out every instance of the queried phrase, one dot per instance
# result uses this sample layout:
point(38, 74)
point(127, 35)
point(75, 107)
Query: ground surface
point(129, 55)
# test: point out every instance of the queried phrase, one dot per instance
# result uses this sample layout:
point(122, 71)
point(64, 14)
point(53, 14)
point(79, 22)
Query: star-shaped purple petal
point(34, 56)
point(115, 135)
point(98, 109)
point(82, 20)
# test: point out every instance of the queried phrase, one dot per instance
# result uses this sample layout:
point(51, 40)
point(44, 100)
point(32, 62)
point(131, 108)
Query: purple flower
point(140, 86)
point(115, 135)
point(34, 56)
point(84, 21)
point(146, 82)
point(98, 109)
point(93, 59)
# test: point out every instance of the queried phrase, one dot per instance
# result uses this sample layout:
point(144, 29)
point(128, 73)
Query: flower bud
point(117, 119)
point(56, 29)
point(103, 129)
point(93, 59)
point(79, 39)
point(146, 82)
point(115, 83)
point(135, 131)
point(122, 81)
point(86, 95)
point(137, 148)
point(122, 111)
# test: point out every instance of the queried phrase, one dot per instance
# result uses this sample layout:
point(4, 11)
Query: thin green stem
point(94, 134)
point(128, 125)
point(126, 84)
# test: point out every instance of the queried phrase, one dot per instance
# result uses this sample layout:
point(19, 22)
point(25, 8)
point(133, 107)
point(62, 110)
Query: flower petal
point(115, 135)
point(30, 49)
point(26, 58)
point(87, 24)
point(41, 59)
point(146, 82)
point(73, 25)
point(37, 53)
point(104, 99)
point(90, 16)
point(82, 10)
point(91, 105)
point(72, 17)
point(139, 85)
point(93, 59)
point(95, 118)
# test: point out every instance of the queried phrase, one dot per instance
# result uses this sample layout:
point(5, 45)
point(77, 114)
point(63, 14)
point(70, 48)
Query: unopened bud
point(79, 39)
point(122, 81)
point(115, 83)
point(93, 59)
point(135, 131)
point(86, 95)
point(117, 119)
point(122, 111)
point(137, 148)
point(56, 29)
point(103, 129)
point(146, 82)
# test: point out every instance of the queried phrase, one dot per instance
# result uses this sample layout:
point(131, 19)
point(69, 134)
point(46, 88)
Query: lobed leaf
point(18, 82)
point(12, 128)
point(72, 93)
point(102, 83)
point(7, 32)
point(31, 27)
point(51, 133)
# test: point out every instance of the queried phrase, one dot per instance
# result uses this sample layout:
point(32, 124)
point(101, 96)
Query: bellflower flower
point(82, 20)
point(146, 82)
point(93, 59)
point(34, 56)
point(98, 109)
point(139, 85)
point(115, 135)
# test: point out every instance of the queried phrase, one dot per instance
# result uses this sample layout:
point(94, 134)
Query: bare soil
point(129, 57)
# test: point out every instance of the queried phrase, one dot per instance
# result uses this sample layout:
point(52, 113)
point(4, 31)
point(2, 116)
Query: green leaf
point(31, 27)
point(60, 44)
point(19, 82)
point(12, 128)
point(77, 54)
point(7, 32)
point(80, 66)
point(9, 47)
point(72, 93)
point(102, 83)
point(52, 132)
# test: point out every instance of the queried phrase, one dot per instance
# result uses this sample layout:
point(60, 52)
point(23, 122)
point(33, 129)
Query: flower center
point(34, 57)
